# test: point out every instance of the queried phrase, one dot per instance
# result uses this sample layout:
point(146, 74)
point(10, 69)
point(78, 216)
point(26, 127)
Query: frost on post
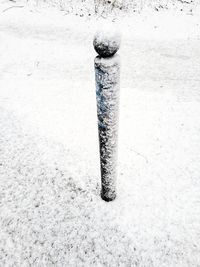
point(107, 72)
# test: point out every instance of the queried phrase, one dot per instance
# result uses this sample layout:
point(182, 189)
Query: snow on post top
point(107, 41)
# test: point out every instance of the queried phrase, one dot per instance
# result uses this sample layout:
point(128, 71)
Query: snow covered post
point(107, 75)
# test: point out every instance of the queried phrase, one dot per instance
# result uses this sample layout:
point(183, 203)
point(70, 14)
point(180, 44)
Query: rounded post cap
point(107, 41)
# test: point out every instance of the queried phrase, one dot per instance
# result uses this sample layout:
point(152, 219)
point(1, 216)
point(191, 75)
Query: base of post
point(108, 198)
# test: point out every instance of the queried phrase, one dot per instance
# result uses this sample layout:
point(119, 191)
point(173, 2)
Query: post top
point(107, 41)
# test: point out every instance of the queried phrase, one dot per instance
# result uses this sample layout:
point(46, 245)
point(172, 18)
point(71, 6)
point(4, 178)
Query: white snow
point(51, 213)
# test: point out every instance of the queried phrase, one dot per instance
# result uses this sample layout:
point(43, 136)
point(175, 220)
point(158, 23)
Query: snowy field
point(50, 210)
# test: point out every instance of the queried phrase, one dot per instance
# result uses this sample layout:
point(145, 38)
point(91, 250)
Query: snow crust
point(51, 213)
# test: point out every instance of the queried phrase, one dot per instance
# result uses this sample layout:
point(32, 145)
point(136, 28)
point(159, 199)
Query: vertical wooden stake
point(107, 75)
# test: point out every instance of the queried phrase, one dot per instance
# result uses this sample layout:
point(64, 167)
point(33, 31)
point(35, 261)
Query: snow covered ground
point(50, 210)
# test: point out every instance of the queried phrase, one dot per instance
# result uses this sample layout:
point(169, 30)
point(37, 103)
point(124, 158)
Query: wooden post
point(107, 76)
